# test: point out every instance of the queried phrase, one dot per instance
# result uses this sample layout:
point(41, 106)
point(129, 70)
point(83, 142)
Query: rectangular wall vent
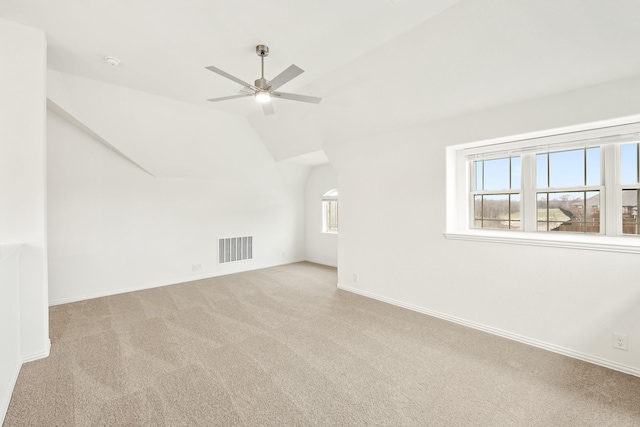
point(235, 249)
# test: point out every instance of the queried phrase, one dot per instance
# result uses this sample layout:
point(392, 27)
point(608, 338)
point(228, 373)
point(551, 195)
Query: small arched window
point(330, 212)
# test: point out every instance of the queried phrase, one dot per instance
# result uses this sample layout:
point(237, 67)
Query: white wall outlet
point(620, 342)
point(355, 277)
point(196, 267)
point(282, 254)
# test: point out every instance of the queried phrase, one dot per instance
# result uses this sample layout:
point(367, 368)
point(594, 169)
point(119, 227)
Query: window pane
point(593, 166)
point(516, 179)
point(550, 215)
point(514, 212)
point(629, 163)
point(575, 211)
point(541, 170)
point(495, 211)
point(630, 211)
point(330, 213)
point(541, 216)
point(566, 168)
point(333, 216)
point(496, 174)
point(567, 207)
point(477, 172)
point(487, 223)
point(477, 207)
point(496, 207)
point(592, 212)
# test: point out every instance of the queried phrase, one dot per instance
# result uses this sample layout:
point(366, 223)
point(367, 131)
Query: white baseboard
point(118, 291)
point(322, 262)
point(38, 355)
point(175, 281)
point(505, 334)
point(6, 397)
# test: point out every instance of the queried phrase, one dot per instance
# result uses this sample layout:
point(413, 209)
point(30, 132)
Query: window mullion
point(612, 212)
point(528, 198)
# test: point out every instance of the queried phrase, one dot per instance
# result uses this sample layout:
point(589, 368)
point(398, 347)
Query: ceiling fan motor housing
point(262, 84)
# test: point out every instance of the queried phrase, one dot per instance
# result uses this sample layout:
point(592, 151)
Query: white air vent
point(235, 249)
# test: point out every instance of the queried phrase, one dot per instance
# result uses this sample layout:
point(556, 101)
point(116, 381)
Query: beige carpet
point(282, 346)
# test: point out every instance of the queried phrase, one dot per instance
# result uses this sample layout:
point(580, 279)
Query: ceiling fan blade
point(224, 98)
point(289, 74)
point(267, 107)
point(229, 76)
point(294, 97)
point(246, 90)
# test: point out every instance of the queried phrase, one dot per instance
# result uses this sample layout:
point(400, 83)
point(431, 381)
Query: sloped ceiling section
point(78, 101)
point(312, 159)
point(473, 56)
point(162, 136)
point(64, 113)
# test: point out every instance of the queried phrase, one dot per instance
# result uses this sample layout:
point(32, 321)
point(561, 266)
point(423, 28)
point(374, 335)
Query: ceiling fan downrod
point(262, 51)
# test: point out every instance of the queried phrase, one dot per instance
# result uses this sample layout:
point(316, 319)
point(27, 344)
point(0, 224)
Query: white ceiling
point(379, 64)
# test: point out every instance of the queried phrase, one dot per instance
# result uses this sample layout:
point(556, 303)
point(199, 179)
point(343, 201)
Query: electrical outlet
point(620, 342)
point(355, 277)
point(282, 254)
point(196, 267)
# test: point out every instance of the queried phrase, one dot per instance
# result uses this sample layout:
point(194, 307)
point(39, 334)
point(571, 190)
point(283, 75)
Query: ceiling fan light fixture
point(263, 96)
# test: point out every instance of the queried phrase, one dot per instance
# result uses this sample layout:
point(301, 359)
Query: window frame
point(492, 192)
point(585, 187)
point(459, 199)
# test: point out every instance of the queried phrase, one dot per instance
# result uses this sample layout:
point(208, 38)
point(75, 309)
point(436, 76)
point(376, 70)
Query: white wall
point(115, 228)
point(10, 357)
point(23, 196)
point(321, 248)
point(566, 299)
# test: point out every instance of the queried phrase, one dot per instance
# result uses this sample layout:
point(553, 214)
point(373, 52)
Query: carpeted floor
point(282, 346)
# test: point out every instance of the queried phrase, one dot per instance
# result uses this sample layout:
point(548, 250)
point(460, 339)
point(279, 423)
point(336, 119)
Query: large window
point(330, 212)
point(579, 183)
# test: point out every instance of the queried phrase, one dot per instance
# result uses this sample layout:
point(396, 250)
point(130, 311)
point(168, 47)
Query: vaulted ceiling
point(378, 64)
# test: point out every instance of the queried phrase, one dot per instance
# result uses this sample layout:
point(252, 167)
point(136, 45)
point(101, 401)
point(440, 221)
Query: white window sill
point(330, 232)
point(626, 244)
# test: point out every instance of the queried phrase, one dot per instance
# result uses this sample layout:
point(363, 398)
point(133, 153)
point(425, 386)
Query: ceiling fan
point(263, 89)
